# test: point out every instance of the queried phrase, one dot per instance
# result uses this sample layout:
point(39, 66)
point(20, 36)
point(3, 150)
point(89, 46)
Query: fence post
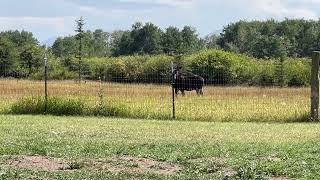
point(45, 81)
point(315, 79)
point(173, 88)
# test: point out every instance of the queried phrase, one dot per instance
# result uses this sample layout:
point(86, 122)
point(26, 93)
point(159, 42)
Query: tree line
point(139, 40)
point(271, 39)
point(21, 54)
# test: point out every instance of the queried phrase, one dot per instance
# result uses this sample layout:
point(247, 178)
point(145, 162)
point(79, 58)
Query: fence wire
point(150, 95)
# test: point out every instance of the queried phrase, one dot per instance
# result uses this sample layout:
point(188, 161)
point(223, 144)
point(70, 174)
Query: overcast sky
point(51, 18)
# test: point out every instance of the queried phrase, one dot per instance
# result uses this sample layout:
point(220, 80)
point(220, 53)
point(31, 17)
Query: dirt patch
point(130, 164)
point(220, 167)
point(272, 158)
point(38, 162)
point(218, 160)
point(229, 172)
point(278, 178)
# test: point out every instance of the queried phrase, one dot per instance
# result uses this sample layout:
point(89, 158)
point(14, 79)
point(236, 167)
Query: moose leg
point(198, 92)
point(182, 92)
point(201, 91)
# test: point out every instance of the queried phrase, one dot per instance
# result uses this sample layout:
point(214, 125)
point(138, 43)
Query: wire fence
point(202, 97)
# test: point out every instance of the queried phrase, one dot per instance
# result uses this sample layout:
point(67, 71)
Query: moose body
point(188, 82)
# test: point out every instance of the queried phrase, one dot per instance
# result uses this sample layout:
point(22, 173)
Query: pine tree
point(79, 36)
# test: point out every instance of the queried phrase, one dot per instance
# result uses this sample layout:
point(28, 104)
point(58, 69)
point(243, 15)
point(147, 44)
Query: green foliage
point(220, 67)
point(65, 47)
point(7, 56)
point(148, 69)
point(20, 54)
point(297, 72)
point(216, 66)
point(150, 39)
point(142, 39)
point(272, 39)
point(57, 70)
point(265, 74)
point(56, 106)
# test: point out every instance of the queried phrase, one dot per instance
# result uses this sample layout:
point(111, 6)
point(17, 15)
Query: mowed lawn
point(48, 147)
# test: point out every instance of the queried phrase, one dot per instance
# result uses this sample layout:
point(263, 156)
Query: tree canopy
point(272, 39)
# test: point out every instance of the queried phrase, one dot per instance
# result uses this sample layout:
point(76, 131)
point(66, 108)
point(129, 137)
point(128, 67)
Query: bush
point(157, 69)
point(298, 72)
point(56, 71)
point(216, 66)
point(265, 74)
point(56, 106)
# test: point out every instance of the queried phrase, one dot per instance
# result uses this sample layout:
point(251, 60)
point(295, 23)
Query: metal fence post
point(173, 88)
point(46, 81)
point(315, 79)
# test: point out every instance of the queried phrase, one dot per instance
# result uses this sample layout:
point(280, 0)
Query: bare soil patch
point(218, 160)
point(131, 164)
point(127, 164)
point(273, 158)
point(278, 178)
point(220, 168)
point(38, 162)
point(229, 172)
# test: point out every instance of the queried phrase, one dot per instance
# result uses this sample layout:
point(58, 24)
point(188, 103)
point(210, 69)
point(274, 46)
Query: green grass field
point(111, 148)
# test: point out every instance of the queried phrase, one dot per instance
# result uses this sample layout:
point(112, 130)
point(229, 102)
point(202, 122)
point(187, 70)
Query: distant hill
point(49, 42)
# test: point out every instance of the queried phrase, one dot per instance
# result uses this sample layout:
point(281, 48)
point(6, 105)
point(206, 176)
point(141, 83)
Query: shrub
point(298, 72)
point(56, 71)
point(56, 106)
point(157, 69)
point(265, 74)
point(221, 67)
point(216, 66)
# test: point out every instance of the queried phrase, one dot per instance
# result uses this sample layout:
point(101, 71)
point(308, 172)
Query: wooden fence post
point(315, 79)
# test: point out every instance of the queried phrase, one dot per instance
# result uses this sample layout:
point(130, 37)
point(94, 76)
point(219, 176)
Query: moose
point(188, 82)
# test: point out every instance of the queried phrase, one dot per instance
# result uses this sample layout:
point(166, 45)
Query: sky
point(52, 18)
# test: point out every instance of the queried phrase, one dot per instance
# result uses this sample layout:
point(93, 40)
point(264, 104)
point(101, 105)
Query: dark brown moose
point(188, 82)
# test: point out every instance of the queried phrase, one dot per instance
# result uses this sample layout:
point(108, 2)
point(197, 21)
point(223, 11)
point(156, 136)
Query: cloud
point(103, 12)
point(31, 22)
point(281, 9)
point(173, 3)
point(311, 1)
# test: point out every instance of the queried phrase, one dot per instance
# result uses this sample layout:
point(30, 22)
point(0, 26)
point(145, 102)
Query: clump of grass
point(75, 165)
point(56, 106)
point(108, 109)
point(103, 108)
point(66, 106)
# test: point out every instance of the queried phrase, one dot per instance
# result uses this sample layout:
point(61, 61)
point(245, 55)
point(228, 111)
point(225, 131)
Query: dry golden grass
point(154, 101)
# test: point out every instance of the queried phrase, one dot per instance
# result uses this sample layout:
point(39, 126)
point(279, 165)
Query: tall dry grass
point(154, 101)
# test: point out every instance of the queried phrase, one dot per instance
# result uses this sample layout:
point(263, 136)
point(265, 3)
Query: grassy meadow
point(255, 104)
point(112, 148)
